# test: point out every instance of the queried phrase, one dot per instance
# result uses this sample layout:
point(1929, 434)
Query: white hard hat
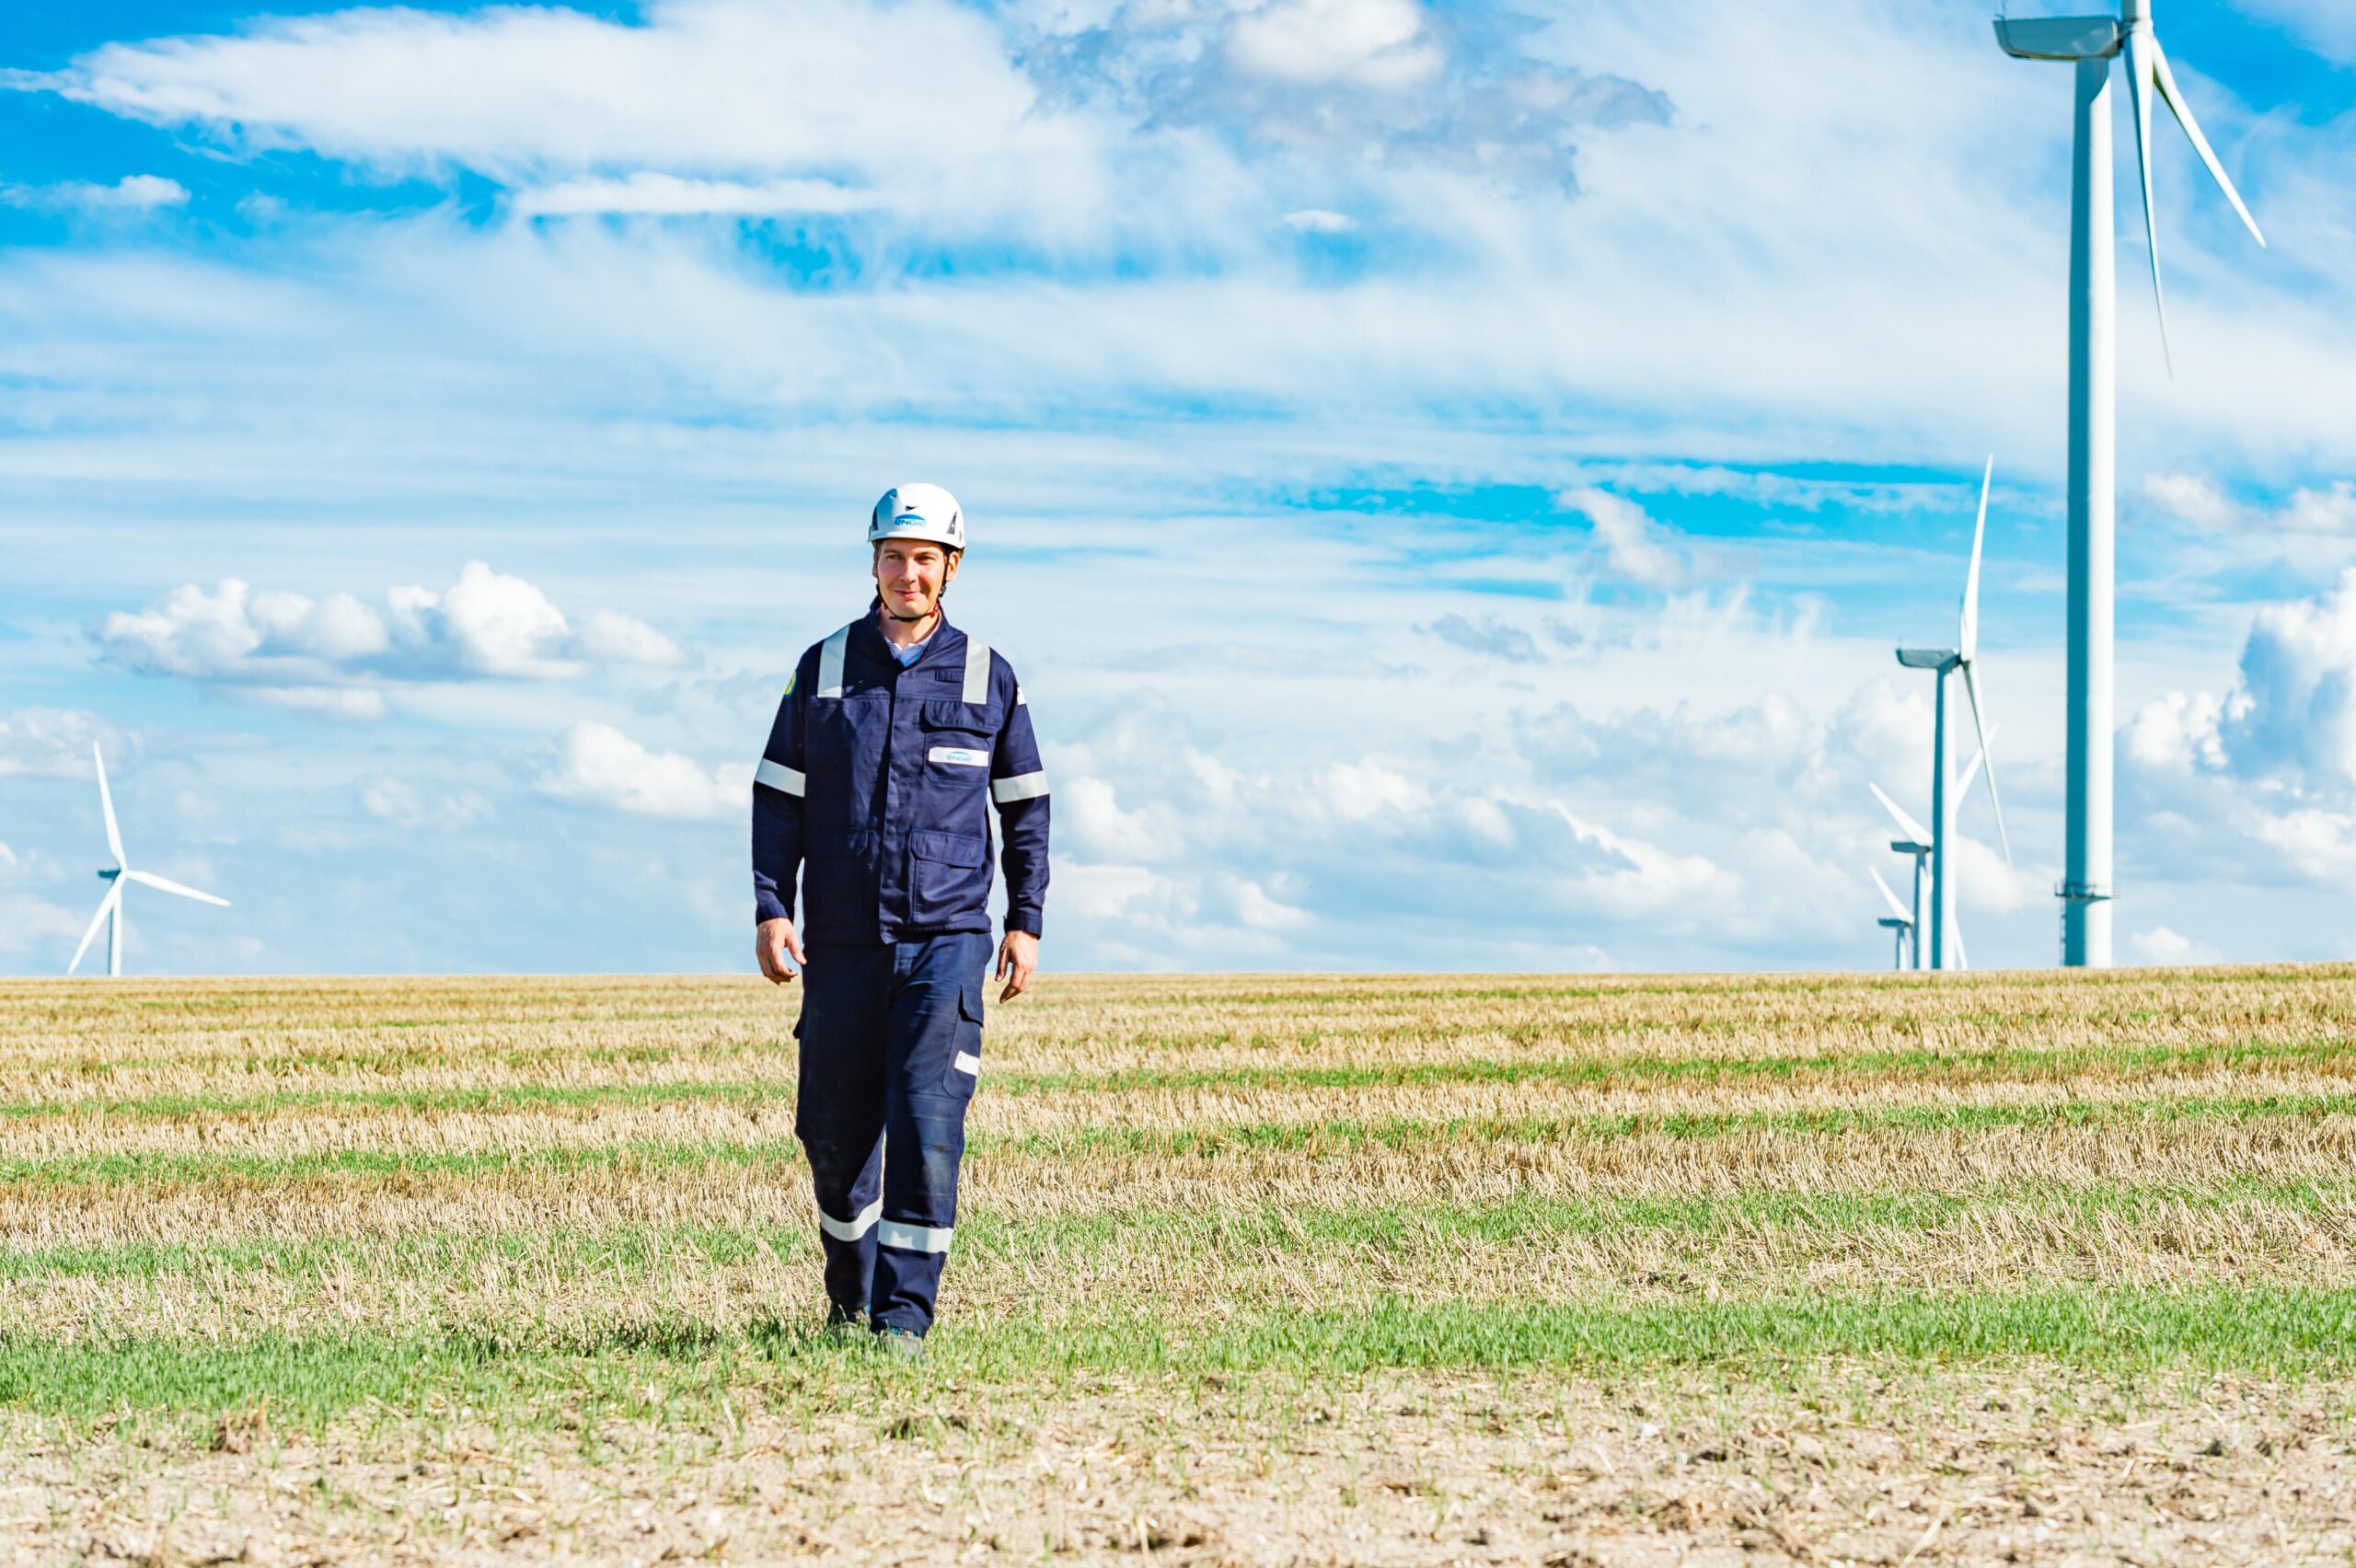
point(918, 512)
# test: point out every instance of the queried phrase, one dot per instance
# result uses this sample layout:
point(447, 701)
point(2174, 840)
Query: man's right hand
point(772, 941)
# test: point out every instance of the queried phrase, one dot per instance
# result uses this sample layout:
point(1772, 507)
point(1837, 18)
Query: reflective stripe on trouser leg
point(935, 1018)
point(838, 1109)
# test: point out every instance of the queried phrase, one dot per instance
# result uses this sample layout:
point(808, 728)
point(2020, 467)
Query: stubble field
point(1883, 1269)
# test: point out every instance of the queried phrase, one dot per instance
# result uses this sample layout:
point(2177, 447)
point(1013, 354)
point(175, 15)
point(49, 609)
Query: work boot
point(846, 1326)
point(900, 1345)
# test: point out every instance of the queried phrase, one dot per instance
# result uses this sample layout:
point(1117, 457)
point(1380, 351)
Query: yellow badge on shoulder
point(790, 680)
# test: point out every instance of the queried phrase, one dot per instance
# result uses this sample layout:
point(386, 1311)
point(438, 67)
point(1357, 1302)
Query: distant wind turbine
point(109, 912)
point(2091, 43)
point(1917, 846)
point(1898, 922)
point(1962, 659)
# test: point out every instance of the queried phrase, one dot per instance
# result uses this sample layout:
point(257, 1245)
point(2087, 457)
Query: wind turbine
point(1944, 662)
point(111, 907)
point(2090, 43)
point(1899, 922)
point(1917, 844)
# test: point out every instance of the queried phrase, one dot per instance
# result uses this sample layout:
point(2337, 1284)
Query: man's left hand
point(1018, 956)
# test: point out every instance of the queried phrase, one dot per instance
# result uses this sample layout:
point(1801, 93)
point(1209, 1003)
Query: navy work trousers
point(891, 1049)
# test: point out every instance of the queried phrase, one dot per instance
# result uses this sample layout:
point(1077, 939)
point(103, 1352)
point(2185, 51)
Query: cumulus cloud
point(599, 764)
point(2159, 945)
point(2294, 713)
point(2270, 764)
point(339, 655)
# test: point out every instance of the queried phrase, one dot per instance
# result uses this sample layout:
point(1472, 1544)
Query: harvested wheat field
point(2035, 1268)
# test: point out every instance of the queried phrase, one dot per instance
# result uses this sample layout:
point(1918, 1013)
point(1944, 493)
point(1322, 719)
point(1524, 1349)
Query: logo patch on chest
point(958, 756)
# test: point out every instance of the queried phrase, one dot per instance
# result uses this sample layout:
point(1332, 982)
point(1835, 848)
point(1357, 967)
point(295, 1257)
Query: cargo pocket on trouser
point(966, 1060)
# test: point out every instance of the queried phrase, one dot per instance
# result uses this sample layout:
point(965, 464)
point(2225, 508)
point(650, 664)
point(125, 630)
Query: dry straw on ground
point(1357, 1268)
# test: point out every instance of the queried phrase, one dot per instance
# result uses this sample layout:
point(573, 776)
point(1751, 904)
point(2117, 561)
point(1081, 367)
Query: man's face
point(910, 574)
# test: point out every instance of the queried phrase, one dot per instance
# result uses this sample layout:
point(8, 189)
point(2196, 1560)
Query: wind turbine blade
point(1971, 769)
point(1906, 825)
point(106, 803)
point(2164, 80)
point(1962, 959)
point(1968, 633)
point(106, 908)
point(2140, 51)
point(1896, 907)
point(1972, 686)
point(167, 885)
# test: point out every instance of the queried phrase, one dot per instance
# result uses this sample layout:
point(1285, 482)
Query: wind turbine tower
point(111, 907)
point(1947, 792)
point(2091, 43)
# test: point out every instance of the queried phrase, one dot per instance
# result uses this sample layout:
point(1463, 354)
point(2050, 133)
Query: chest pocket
point(956, 741)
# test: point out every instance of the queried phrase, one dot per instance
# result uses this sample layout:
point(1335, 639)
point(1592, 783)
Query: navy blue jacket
point(875, 787)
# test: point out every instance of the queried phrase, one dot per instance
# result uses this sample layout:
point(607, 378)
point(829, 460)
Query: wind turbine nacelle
point(1928, 658)
point(111, 873)
point(1907, 847)
point(2060, 38)
point(1892, 923)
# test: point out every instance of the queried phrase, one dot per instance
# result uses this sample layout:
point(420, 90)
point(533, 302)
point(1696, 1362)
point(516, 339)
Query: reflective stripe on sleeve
point(967, 1062)
point(1022, 787)
point(852, 1229)
point(830, 663)
point(913, 1238)
point(977, 669)
point(777, 776)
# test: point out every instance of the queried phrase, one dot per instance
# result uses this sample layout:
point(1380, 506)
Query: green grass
point(637, 1369)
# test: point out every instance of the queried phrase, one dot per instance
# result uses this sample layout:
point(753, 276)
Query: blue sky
point(1450, 476)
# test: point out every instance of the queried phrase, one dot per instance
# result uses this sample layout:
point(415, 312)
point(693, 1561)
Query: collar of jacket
point(869, 641)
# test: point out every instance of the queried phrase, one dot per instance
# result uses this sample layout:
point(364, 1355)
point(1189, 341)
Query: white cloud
point(1257, 910)
point(332, 702)
point(133, 193)
point(1382, 44)
point(2201, 501)
point(2177, 732)
point(2196, 499)
point(598, 764)
point(1489, 635)
point(617, 639)
point(2159, 945)
point(653, 194)
point(404, 804)
point(2294, 712)
point(1634, 546)
point(54, 743)
point(2330, 30)
point(714, 91)
point(1090, 811)
point(1318, 220)
point(336, 655)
